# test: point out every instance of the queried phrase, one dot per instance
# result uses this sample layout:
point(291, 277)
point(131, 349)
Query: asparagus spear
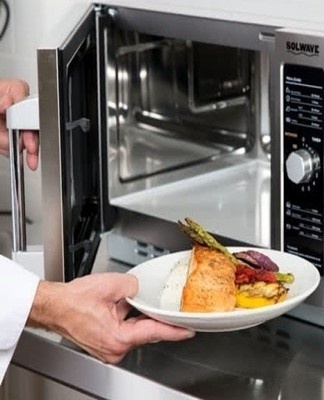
point(198, 234)
point(285, 278)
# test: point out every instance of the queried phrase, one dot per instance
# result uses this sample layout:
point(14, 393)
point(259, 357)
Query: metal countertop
point(281, 359)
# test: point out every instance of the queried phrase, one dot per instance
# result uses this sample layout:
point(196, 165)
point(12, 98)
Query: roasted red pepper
point(245, 274)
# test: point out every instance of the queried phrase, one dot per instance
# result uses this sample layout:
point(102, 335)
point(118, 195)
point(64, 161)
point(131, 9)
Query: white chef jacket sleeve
point(17, 291)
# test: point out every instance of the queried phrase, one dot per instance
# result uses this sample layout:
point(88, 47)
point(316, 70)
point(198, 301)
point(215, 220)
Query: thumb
point(119, 286)
point(5, 102)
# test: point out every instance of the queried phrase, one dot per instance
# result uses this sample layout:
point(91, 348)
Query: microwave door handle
point(23, 115)
point(17, 192)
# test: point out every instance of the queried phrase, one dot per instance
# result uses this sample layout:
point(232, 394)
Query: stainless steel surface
point(77, 370)
point(237, 196)
point(225, 32)
point(23, 115)
point(58, 124)
point(279, 359)
point(17, 191)
point(156, 88)
point(301, 165)
point(51, 174)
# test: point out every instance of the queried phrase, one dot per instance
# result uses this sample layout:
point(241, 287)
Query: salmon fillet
point(210, 284)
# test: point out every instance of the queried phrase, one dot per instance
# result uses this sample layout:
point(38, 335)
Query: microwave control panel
point(303, 198)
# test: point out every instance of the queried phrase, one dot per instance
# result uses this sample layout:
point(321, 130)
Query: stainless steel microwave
point(147, 117)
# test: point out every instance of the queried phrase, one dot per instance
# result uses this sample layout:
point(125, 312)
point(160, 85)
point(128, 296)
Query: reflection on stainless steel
point(231, 195)
point(266, 362)
point(259, 363)
point(213, 367)
point(282, 359)
point(163, 85)
point(227, 75)
point(189, 132)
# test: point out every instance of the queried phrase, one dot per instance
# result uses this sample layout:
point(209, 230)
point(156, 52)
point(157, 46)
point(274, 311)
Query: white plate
point(152, 300)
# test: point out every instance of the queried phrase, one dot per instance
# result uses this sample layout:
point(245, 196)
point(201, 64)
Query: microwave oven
point(148, 117)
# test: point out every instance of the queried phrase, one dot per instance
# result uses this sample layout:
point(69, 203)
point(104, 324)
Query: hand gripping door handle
point(23, 115)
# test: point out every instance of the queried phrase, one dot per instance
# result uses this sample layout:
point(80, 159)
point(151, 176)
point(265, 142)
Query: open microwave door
point(73, 129)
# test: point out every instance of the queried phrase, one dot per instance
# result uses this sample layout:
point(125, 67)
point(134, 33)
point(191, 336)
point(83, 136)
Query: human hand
point(91, 311)
point(12, 91)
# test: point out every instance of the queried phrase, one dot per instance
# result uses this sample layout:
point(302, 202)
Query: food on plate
point(210, 284)
point(256, 260)
point(218, 280)
point(260, 287)
point(260, 294)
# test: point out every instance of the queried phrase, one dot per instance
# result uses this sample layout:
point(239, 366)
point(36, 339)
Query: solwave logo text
point(308, 49)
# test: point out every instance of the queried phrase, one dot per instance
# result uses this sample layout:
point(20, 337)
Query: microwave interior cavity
point(177, 104)
point(189, 131)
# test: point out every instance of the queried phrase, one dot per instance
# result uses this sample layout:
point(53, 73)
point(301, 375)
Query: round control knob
point(301, 164)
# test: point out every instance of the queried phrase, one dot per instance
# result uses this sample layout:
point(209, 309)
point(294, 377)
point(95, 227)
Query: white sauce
point(172, 291)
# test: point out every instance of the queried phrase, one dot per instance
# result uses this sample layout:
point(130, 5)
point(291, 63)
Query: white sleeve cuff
point(17, 291)
point(5, 358)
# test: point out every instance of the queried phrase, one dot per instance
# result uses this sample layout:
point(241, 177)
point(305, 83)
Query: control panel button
point(301, 165)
